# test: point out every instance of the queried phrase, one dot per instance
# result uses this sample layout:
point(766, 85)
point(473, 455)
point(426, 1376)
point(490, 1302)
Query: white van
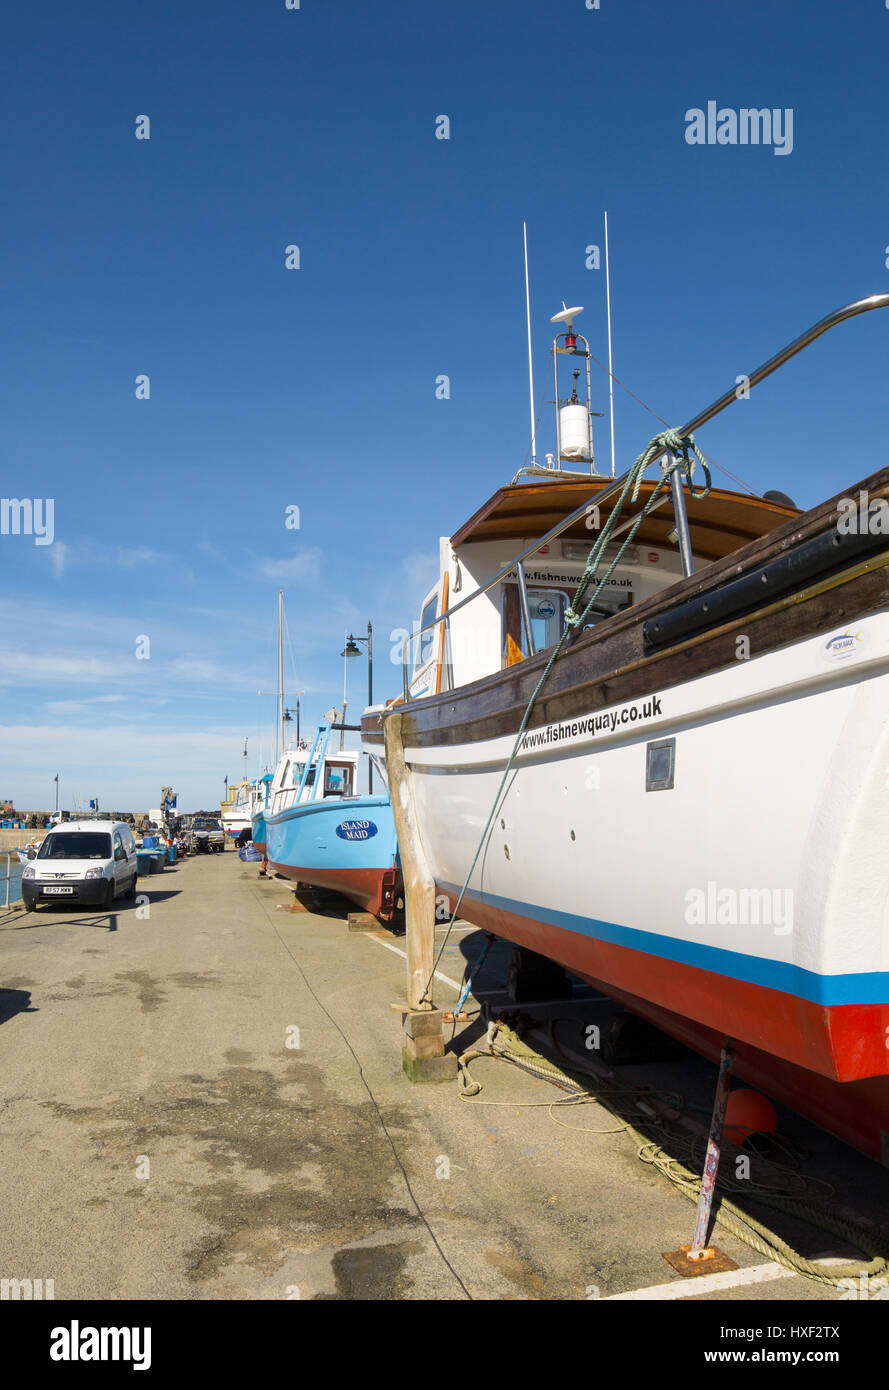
point(90, 862)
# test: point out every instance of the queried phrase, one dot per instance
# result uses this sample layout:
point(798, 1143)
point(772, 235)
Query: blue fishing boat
point(318, 831)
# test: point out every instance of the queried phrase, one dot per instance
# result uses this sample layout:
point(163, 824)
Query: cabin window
point(607, 603)
point(546, 608)
point(337, 780)
point(426, 640)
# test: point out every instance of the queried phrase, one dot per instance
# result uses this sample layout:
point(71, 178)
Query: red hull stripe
point(845, 1042)
point(361, 886)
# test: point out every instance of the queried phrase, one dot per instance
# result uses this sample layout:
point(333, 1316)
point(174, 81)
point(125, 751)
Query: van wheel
point(131, 891)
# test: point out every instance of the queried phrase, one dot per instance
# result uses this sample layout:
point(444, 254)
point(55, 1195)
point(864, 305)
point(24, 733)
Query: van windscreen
point(70, 845)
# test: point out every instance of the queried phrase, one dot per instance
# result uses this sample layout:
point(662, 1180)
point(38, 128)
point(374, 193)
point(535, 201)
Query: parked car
point(207, 834)
point(90, 862)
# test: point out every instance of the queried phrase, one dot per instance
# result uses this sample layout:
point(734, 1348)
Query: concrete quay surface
point(202, 1098)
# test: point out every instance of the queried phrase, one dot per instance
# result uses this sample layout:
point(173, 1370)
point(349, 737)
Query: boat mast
point(281, 666)
point(530, 362)
point(345, 673)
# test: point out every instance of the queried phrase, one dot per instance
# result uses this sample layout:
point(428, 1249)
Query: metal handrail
point(557, 530)
point(848, 311)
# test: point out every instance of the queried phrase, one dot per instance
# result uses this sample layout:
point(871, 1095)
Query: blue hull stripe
point(828, 990)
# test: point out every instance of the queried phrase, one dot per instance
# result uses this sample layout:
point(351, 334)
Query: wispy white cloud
point(29, 667)
point(76, 706)
point(306, 565)
point(129, 556)
point(58, 554)
point(63, 555)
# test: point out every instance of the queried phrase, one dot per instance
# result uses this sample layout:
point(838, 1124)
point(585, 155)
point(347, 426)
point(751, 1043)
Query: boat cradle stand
point(423, 1055)
point(699, 1258)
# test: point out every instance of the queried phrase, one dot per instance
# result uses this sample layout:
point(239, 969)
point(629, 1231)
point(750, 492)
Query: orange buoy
point(749, 1113)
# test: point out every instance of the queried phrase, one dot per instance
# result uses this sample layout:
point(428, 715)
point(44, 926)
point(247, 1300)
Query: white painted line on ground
point(704, 1283)
point(370, 936)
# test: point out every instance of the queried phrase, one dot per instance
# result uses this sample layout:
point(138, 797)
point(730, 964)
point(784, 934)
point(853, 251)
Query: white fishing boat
point(663, 764)
point(237, 813)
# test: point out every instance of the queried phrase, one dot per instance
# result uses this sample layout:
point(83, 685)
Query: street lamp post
point(350, 651)
point(289, 717)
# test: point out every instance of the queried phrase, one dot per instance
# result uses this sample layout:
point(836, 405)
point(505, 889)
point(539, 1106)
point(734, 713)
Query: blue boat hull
point(348, 846)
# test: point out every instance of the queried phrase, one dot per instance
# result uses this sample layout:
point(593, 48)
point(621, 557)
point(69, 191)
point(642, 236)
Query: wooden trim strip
point(446, 582)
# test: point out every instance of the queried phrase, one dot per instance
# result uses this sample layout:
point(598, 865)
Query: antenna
point(610, 373)
point(574, 417)
point(530, 363)
point(567, 316)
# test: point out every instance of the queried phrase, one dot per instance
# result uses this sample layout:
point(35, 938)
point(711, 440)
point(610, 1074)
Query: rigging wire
point(709, 457)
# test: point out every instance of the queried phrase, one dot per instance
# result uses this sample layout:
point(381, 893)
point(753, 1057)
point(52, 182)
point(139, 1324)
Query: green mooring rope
point(681, 447)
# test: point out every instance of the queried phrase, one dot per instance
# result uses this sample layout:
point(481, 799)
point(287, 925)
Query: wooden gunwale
point(607, 664)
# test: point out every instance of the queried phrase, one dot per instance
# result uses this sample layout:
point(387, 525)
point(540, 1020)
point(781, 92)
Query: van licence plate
point(58, 890)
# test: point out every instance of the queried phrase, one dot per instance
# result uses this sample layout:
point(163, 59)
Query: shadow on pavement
point(15, 1001)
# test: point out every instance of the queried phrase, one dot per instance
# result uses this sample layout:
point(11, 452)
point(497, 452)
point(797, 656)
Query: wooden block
point(430, 1068)
point(424, 1047)
point(424, 1023)
point(363, 921)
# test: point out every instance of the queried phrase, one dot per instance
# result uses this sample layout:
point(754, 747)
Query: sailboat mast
point(281, 665)
point(530, 360)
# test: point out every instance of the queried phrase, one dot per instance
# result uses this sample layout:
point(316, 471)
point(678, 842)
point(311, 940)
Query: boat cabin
point(316, 774)
point(491, 634)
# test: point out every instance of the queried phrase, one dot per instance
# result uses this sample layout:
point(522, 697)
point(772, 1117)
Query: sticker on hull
point(356, 829)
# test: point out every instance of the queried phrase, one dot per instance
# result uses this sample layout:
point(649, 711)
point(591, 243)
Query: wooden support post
point(423, 1054)
point(419, 886)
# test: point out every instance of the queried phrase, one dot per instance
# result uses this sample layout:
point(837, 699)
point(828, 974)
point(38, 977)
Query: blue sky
point(316, 387)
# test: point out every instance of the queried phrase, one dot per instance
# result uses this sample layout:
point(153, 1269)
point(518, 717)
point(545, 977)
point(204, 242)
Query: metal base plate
point(711, 1261)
